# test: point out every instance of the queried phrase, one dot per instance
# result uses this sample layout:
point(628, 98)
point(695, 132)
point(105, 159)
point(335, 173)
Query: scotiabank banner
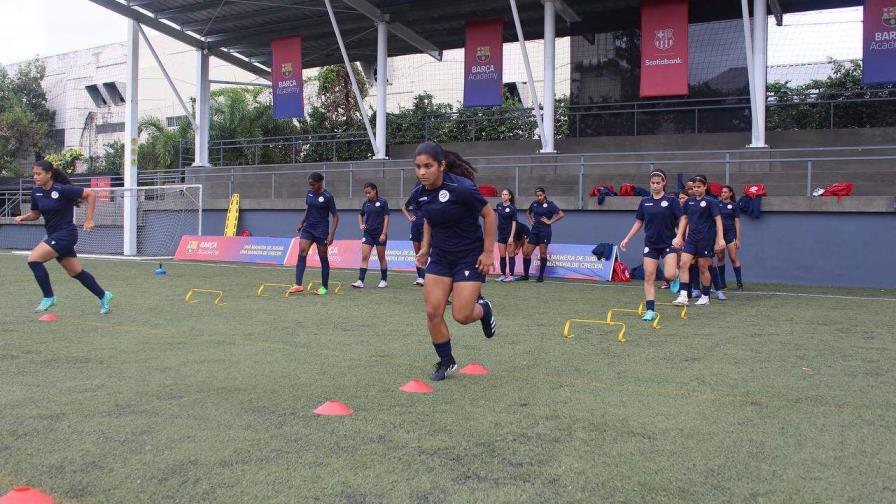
point(564, 260)
point(879, 53)
point(286, 72)
point(484, 63)
point(664, 48)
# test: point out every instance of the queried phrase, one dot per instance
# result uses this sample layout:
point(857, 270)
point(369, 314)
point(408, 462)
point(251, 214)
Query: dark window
point(174, 121)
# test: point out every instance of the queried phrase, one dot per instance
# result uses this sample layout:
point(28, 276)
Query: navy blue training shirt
point(660, 218)
point(320, 206)
point(729, 211)
point(701, 218)
point(538, 210)
point(57, 206)
point(506, 216)
point(412, 206)
point(452, 211)
point(374, 214)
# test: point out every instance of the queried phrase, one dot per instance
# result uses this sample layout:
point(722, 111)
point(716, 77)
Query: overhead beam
point(400, 30)
point(566, 11)
point(188, 9)
point(236, 18)
point(138, 3)
point(777, 12)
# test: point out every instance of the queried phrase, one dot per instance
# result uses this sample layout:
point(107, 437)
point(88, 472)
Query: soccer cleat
point(650, 316)
point(721, 296)
point(675, 285)
point(45, 304)
point(539, 279)
point(740, 287)
point(665, 285)
point(419, 282)
point(443, 369)
point(501, 278)
point(382, 284)
point(696, 293)
point(489, 324)
point(105, 306)
point(296, 289)
point(703, 301)
point(524, 278)
point(358, 284)
point(511, 278)
point(321, 291)
point(682, 299)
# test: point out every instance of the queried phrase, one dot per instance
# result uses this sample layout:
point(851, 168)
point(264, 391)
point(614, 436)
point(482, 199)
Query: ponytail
point(58, 175)
point(454, 162)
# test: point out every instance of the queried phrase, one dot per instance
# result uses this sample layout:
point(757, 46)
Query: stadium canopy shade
point(240, 31)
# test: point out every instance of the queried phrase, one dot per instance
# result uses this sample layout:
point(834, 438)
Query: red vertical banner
point(286, 72)
point(664, 48)
point(484, 63)
point(100, 183)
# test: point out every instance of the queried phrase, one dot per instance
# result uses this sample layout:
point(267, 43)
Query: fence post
point(696, 120)
point(636, 119)
point(516, 182)
point(351, 167)
point(334, 151)
point(272, 186)
point(809, 178)
point(581, 182)
point(578, 126)
point(727, 168)
point(832, 115)
point(256, 154)
point(293, 151)
point(231, 181)
point(401, 183)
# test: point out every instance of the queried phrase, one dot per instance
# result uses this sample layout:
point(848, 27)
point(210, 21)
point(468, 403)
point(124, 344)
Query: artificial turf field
point(764, 398)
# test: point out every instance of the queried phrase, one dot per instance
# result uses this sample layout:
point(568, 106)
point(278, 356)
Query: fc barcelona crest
point(286, 69)
point(889, 17)
point(665, 39)
point(483, 53)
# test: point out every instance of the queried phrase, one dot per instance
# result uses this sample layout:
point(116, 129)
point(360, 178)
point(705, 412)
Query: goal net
point(164, 214)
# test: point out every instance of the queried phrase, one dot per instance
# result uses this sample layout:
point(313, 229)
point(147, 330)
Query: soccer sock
point(362, 273)
point(503, 263)
point(325, 271)
point(384, 273)
point(714, 277)
point(89, 282)
point(694, 271)
point(511, 264)
point(42, 277)
point(686, 288)
point(443, 350)
point(527, 265)
point(704, 290)
point(300, 269)
point(542, 265)
point(721, 270)
point(650, 304)
point(737, 274)
point(421, 272)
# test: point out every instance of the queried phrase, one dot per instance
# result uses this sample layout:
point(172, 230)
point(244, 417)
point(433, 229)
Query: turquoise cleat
point(674, 285)
point(105, 303)
point(650, 316)
point(45, 304)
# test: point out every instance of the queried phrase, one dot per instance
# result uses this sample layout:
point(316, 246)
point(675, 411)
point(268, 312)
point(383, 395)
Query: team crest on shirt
point(377, 203)
point(54, 194)
point(544, 205)
point(646, 249)
point(443, 195)
point(730, 206)
point(363, 239)
point(506, 210)
point(703, 203)
point(664, 204)
point(320, 199)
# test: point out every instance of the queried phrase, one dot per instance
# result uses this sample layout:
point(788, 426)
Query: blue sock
point(384, 273)
point(300, 269)
point(362, 273)
point(714, 277)
point(444, 351)
point(89, 282)
point(704, 290)
point(542, 265)
point(421, 273)
point(527, 265)
point(694, 272)
point(42, 277)
point(511, 264)
point(737, 274)
point(721, 270)
point(324, 271)
point(650, 304)
point(503, 263)
point(686, 288)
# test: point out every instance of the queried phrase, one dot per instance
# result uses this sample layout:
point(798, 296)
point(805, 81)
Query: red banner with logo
point(484, 63)
point(879, 56)
point(100, 183)
point(664, 48)
point(286, 72)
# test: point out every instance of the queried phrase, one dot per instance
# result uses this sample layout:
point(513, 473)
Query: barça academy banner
point(286, 72)
point(564, 260)
point(664, 48)
point(483, 63)
point(879, 53)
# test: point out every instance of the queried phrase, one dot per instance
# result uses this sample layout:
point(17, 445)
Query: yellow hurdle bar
point(656, 321)
point(220, 294)
point(684, 308)
point(261, 288)
point(336, 289)
point(620, 337)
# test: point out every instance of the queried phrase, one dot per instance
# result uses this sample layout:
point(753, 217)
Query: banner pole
point(536, 108)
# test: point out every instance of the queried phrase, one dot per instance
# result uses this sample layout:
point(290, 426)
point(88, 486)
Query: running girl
point(456, 250)
point(314, 230)
point(704, 237)
point(507, 224)
point(660, 215)
point(730, 213)
point(374, 223)
point(54, 198)
point(413, 213)
point(542, 214)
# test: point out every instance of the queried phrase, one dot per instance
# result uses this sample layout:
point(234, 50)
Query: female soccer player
point(374, 223)
point(542, 213)
point(314, 230)
point(704, 237)
point(54, 198)
point(731, 229)
point(660, 215)
point(458, 249)
point(507, 223)
point(413, 213)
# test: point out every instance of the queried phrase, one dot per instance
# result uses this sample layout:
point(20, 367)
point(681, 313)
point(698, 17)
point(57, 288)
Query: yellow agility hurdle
point(262, 287)
point(336, 289)
point(656, 321)
point(220, 294)
point(620, 337)
point(684, 309)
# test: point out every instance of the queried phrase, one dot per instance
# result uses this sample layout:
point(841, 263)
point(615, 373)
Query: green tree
point(334, 114)
point(25, 119)
point(112, 159)
point(67, 160)
point(159, 149)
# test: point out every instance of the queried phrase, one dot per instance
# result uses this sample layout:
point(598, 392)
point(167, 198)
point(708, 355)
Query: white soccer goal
point(163, 215)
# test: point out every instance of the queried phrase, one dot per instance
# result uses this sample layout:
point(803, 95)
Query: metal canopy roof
point(240, 31)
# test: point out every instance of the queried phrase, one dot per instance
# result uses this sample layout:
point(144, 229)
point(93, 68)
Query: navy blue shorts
point(522, 232)
point(539, 237)
point(702, 248)
point(63, 244)
point(373, 239)
point(459, 270)
point(417, 230)
point(730, 238)
point(657, 253)
point(317, 236)
point(503, 238)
